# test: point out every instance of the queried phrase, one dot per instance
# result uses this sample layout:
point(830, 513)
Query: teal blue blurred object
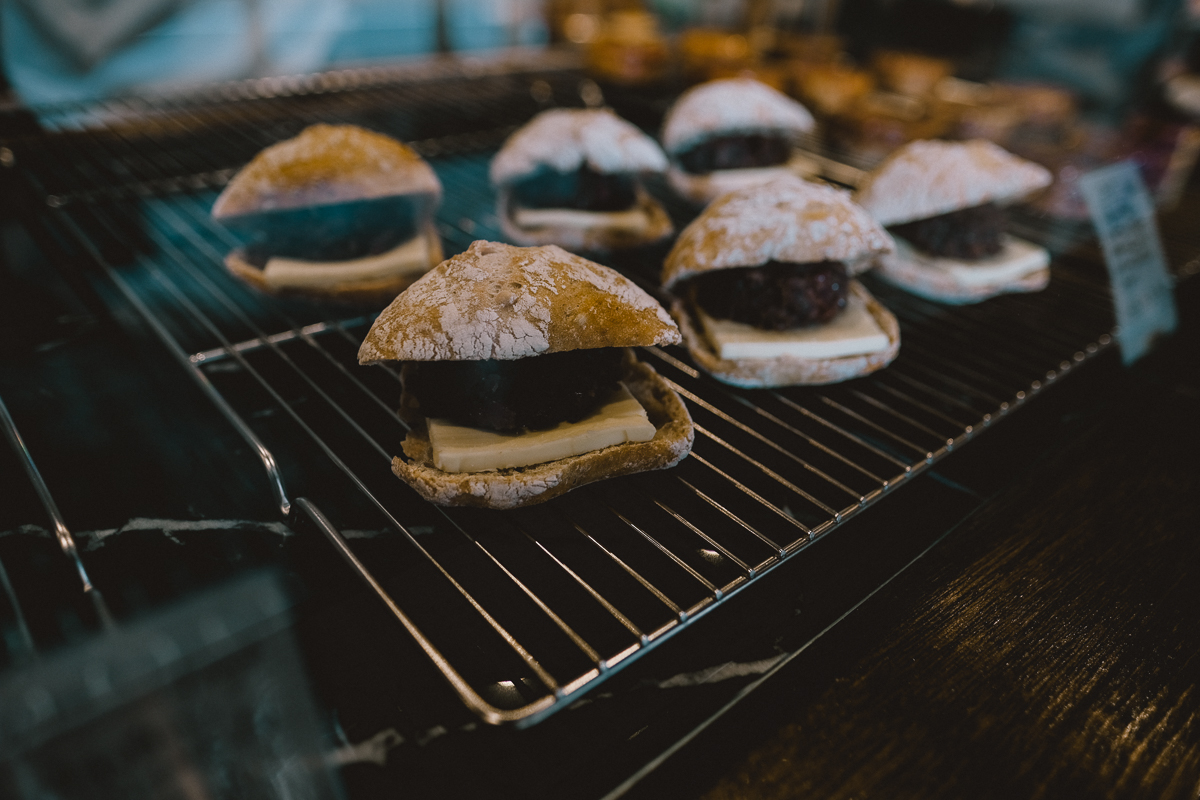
point(208, 698)
point(206, 41)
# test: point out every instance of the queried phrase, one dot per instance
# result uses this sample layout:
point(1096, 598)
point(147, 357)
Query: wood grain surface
point(1049, 648)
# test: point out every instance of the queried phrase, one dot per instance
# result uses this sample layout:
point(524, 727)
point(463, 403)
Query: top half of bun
point(928, 178)
point(731, 106)
point(327, 164)
point(787, 219)
point(497, 301)
point(564, 139)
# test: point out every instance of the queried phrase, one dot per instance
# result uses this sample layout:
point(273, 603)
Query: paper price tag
point(1123, 214)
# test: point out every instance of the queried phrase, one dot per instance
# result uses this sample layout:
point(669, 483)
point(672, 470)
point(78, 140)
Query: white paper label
point(1123, 215)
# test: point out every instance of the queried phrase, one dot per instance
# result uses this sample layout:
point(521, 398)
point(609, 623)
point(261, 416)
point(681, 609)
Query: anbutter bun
point(496, 301)
point(788, 220)
point(326, 164)
point(931, 177)
point(731, 106)
point(563, 140)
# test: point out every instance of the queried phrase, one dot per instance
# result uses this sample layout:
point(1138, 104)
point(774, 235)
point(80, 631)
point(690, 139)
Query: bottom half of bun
point(375, 291)
point(920, 275)
point(759, 373)
point(599, 237)
point(525, 486)
point(703, 188)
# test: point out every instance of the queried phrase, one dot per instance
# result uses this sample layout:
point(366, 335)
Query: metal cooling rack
point(524, 611)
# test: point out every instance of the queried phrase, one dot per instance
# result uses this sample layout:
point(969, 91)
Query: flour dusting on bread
point(788, 219)
point(731, 106)
point(564, 139)
point(496, 301)
point(928, 178)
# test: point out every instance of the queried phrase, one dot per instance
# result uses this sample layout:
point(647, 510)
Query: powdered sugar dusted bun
point(729, 106)
point(927, 178)
point(326, 164)
point(563, 139)
point(756, 373)
point(525, 486)
point(787, 219)
point(496, 301)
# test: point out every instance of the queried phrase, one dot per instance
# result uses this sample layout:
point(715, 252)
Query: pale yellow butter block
point(852, 332)
point(1017, 259)
point(634, 220)
point(458, 448)
point(411, 256)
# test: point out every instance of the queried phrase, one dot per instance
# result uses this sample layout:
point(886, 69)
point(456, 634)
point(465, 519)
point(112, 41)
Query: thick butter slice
point(634, 220)
point(412, 256)
point(852, 332)
point(457, 448)
point(1017, 259)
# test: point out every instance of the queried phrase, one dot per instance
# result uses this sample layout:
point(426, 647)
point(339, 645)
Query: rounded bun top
point(787, 219)
point(497, 301)
point(326, 164)
point(928, 178)
point(563, 139)
point(729, 106)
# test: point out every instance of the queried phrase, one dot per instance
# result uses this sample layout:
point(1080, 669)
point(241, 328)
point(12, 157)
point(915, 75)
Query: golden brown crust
point(326, 164)
point(514, 488)
point(755, 373)
point(374, 293)
point(787, 219)
point(497, 301)
point(599, 238)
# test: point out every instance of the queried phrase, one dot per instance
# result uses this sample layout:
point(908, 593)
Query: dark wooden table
point(1047, 647)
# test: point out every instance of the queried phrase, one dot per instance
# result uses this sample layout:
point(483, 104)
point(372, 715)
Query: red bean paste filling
point(532, 393)
point(583, 189)
point(970, 234)
point(746, 151)
point(777, 296)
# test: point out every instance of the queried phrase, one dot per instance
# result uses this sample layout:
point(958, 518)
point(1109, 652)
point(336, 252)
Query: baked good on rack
point(572, 177)
point(726, 134)
point(765, 289)
point(943, 201)
point(519, 381)
point(336, 213)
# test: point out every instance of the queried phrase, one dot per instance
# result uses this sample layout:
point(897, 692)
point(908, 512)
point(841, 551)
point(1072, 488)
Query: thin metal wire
point(62, 533)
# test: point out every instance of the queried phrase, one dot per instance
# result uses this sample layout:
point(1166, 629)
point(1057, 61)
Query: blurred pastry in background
point(726, 134)
point(572, 177)
point(943, 203)
point(629, 49)
point(878, 122)
point(911, 74)
point(336, 213)
point(703, 51)
point(831, 89)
